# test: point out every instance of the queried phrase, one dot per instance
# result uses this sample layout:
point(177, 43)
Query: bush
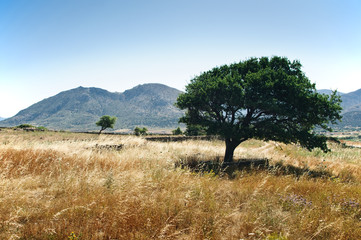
point(42, 128)
point(177, 131)
point(140, 131)
point(22, 126)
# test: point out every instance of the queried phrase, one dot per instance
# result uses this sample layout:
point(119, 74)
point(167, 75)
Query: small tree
point(22, 126)
point(177, 131)
point(268, 99)
point(137, 131)
point(140, 131)
point(106, 122)
point(144, 131)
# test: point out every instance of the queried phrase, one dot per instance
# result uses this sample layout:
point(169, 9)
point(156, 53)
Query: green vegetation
point(22, 126)
point(140, 131)
point(269, 99)
point(42, 128)
point(106, 122)
point(29, 126)
point(351, 110)
point(195, 130)
point(177, 131)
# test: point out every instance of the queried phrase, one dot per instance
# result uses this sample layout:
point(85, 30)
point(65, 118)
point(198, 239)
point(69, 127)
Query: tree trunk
point(101, 130)
point(230, 147)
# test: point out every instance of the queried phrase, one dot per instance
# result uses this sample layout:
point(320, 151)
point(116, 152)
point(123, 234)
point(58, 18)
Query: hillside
point(351, 104)
point(351, 119)
point(149, 105)
point(351, 100)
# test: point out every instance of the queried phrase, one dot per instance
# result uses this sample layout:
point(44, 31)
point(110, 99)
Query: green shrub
point(42, 128)
point(22, 126)
point(177, 131)
point(140, 131)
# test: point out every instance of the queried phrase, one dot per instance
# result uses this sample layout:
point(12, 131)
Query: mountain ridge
point(149, 105)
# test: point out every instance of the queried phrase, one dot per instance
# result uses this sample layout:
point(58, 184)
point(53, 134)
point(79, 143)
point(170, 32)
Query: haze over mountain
point(149, 105)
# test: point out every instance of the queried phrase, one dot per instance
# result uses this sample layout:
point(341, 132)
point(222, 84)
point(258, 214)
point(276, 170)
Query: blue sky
point(51, 46)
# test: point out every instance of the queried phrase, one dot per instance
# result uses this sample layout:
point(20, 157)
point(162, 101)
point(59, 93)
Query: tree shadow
point(279, 168)
point(200, 164)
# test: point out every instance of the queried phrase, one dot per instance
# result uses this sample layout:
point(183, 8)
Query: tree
point(262, 98)
point(31, 127)
point(137, 131)
point(25, 126)
point(106, 122)
point(144, 131)
point(140, 131)
point(177, 131)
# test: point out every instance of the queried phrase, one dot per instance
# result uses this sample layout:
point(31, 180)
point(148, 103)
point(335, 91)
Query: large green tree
point(106, 122)
point(262, 98)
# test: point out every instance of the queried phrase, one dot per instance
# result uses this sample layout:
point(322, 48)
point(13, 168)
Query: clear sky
point(48, 46)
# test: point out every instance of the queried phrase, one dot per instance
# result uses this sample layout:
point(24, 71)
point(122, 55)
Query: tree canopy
point(140, 131)
point(262, 98)
point(177, 131)
point(106, 122)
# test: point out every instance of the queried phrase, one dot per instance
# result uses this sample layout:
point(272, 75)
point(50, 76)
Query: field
point(73, 186)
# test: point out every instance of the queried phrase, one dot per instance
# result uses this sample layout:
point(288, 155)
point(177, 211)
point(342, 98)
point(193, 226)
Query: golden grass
point(53, 184)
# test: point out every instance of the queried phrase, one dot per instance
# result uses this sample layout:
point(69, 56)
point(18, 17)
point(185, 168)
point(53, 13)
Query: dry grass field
point(65, 186)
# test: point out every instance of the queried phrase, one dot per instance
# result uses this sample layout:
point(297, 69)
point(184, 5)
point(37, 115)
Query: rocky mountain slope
point(149, 105)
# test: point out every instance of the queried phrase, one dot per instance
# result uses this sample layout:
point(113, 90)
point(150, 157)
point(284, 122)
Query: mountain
point(351, 100)
point(351, 104)
point(149, 105)
point(351, 120)
point(2, 118)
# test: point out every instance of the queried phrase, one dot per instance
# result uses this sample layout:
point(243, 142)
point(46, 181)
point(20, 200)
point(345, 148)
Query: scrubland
point(63, 186)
